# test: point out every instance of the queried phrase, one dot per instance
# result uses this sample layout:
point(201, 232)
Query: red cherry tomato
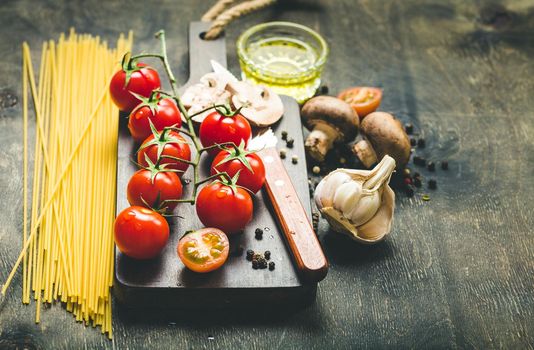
point(249, 165)
point(224, 207)
point(172, 144)
point(143, 81)
point(141, 233)
point(217, 128)
point(154, 190)
point(204, 250)
point(166, 113)
point(363, 100)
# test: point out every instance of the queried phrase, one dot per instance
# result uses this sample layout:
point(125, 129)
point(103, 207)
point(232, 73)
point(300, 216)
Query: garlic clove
point(346, 195)
point(379, 226)
point(366, 208)
point(327, 189)
point(339, 223)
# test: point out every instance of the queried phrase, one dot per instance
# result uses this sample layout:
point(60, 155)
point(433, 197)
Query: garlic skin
point(359, 203)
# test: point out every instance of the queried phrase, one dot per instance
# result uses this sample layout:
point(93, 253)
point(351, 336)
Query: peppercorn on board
point(164, 281)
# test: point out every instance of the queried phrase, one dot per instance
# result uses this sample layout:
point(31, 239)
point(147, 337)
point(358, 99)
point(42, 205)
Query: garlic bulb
point(359, 203)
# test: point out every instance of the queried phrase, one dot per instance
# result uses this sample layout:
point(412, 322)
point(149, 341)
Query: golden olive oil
point(286, 64)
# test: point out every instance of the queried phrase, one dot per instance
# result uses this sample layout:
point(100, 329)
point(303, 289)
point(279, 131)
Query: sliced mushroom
point(259, 104)
point(208, 92)
point(330, 120)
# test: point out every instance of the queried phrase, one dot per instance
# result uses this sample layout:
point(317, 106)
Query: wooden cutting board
point(164, 281)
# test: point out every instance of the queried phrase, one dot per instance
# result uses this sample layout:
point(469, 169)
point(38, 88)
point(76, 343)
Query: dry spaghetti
point(67, 252)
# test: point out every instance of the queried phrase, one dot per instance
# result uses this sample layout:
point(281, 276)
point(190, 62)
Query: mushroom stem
point(365, 152)
point(320, 140)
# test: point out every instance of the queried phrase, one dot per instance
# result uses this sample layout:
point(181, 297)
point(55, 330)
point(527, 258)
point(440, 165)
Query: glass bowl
point(285, 56)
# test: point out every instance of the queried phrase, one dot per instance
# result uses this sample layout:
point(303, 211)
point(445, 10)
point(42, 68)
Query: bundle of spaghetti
point(67, 252)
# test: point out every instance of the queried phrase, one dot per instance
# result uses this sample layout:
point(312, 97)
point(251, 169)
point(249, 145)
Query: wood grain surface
point(456, 272)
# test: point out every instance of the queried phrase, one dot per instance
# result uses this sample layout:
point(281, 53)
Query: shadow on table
point(260, 316)
point(352, 253)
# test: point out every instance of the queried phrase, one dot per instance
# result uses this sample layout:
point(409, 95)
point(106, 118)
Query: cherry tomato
point(204, 250)
point(248, 164)
point(143, 80)
point(218, 128)
point(153, 189)
point(165, 113)
point(363, 100)
point(171, 144)
point(225, 207)
point(141, 233)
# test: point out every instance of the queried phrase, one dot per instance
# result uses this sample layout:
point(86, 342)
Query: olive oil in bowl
point(284, 56)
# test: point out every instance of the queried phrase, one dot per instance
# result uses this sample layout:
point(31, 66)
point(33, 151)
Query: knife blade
point(298, 231)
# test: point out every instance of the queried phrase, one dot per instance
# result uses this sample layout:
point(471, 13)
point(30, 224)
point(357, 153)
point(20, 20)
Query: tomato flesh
point(363, 100)
point(204, 250)
point(140, 233)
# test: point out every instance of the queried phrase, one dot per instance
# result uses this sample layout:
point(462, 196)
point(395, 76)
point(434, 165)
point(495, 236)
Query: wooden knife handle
point(301, 238)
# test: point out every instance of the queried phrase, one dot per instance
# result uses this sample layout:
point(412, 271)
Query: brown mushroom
point(383, 134)
point(259, 104)
point(330, 120)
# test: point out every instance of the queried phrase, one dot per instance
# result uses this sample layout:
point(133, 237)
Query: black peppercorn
point(417, 182)
point(262, 263)
point(409, 128)
point(409, 191)
point(413, 141)
point(250, 254)
point(444, 165)
point(255, 264)
point(267, 255)
point(421, 143)
point(290, 141)
point(284, 135)
point(259, 233)
point(271, 265)
point(417, 160)
point(432, 184)
point(431, 166)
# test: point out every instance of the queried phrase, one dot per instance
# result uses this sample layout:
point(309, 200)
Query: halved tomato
point(362, 99)
point(204, 250)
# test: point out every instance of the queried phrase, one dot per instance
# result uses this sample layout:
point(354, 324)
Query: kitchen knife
point(302, 240)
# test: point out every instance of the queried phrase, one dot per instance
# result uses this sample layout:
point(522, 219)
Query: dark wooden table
point(457, 271)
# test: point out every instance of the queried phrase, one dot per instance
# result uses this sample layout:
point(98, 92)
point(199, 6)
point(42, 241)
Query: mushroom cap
point(260, 105)
point(333, 111)
point(387, 136)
